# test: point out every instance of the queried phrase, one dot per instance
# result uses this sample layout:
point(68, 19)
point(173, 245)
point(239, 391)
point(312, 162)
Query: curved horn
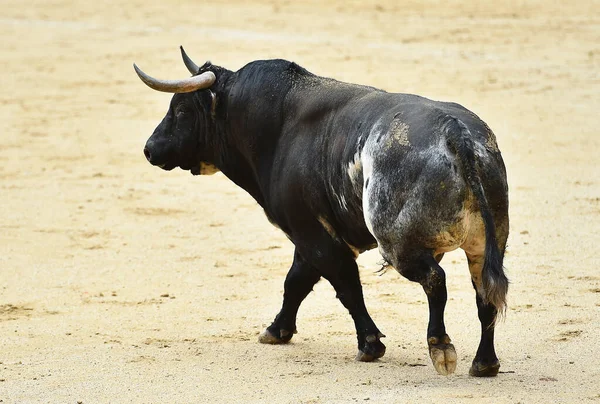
point(189, 63)
point(202, 81)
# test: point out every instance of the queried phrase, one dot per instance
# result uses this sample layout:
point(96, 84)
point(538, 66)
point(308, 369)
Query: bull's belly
point(358, 240)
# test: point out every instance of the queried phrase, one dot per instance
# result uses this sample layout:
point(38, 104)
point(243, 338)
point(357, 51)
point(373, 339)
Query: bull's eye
point(183, 119)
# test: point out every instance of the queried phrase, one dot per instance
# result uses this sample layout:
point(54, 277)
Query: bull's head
point(181, 139)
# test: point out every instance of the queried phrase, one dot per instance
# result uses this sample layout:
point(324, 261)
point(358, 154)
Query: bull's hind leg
point(298, 284)
point(486, 362)
point(424, 269)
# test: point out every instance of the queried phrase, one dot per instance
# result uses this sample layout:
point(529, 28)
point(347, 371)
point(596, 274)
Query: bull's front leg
point(334, 261)
point(346, 283)
point(298, 284)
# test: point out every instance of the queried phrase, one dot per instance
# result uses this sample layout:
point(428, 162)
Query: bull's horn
point(202, 81)
point(189, 63)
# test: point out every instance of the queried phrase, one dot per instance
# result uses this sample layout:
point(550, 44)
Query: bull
point(343, 168)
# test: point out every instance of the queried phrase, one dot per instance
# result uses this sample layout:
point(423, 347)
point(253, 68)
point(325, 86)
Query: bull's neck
point(234, 165)
point(249, 129)
point(245, 162)
point(231, 155)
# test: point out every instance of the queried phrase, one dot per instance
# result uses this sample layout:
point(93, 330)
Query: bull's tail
point(494, 281)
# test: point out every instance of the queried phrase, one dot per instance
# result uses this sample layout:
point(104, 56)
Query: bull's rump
point(415, 196)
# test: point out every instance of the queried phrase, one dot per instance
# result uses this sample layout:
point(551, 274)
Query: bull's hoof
point(443, 355)
point(372, 349)
point(479, 369)
point(267, 337)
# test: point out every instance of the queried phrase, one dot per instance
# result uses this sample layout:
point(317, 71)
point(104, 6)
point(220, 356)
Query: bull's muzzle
point(155, 155)
point(148, 154)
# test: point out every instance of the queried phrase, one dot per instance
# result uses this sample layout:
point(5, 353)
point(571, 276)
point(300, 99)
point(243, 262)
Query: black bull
point(341, 169)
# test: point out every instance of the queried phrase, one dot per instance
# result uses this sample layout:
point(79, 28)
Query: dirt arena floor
point(123, 283)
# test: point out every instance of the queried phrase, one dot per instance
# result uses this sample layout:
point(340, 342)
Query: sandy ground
point(123, 283)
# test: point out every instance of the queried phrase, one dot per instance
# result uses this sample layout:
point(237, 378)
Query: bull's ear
point(189, 63)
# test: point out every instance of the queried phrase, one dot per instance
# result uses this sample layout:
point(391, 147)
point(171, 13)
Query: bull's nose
point(148, 154)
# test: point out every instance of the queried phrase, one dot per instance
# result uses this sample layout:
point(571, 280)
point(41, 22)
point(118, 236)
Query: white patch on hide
point(355, 169)
point(342, 202)
point(366, 158)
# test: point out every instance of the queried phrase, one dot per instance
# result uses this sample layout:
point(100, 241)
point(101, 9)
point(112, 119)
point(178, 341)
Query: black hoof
point(269, 336)
point(479, 369)
point(372, 348)
point(442, 354)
